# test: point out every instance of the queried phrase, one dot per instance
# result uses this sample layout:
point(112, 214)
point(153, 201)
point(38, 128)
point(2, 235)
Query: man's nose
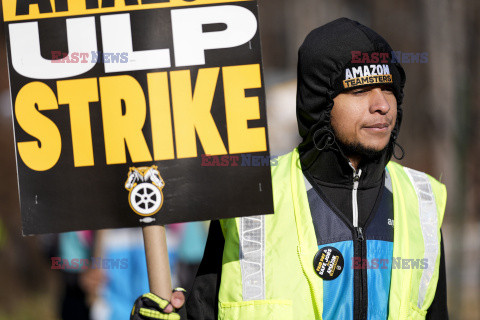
point(378, 101)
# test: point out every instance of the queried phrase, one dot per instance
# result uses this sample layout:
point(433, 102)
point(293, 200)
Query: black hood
point(339, 56)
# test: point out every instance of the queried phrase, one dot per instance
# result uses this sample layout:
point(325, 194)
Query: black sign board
point(129, 113)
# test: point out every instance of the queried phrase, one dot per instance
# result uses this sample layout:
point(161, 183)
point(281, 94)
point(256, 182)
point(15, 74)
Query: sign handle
point(158, 268)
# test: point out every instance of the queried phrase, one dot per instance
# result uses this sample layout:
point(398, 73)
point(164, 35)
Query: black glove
point(150, 306)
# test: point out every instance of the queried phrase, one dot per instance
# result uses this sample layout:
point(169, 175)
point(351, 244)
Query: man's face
point(363, 119)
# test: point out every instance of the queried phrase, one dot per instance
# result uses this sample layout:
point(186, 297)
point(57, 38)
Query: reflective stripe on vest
point(429, 223)
point(269, 269)
point(417, 222)
point(252, 257)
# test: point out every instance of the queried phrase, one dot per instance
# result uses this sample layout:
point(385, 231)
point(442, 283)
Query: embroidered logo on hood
point(367, 75)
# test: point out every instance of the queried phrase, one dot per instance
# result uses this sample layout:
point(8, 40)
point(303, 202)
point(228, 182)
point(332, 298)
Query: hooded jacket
point(327, 58)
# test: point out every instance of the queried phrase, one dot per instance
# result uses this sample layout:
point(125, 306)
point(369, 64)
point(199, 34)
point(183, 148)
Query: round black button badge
point(328, 263)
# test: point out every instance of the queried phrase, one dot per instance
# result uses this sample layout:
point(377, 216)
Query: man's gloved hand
point(150, 306)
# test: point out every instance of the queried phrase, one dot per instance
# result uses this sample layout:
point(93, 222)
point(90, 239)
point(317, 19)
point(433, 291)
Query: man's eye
point(359, 91)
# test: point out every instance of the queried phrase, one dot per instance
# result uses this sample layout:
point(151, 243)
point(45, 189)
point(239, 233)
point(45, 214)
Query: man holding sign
point(354, 236)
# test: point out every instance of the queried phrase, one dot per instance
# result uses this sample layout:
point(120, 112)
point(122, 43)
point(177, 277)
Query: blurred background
point(439, 133)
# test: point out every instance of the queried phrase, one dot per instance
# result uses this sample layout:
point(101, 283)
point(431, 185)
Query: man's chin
point(365, 151)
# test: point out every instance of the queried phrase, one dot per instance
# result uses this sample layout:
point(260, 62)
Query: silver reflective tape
point(308, 186)
point(252, 257)
point(388, 181)
point(429, 225)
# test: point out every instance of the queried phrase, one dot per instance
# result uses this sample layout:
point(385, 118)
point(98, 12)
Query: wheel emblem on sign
point(145, 185)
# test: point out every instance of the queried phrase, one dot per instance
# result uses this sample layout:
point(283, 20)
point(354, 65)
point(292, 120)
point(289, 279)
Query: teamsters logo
point(367, 75)
point(145, 185)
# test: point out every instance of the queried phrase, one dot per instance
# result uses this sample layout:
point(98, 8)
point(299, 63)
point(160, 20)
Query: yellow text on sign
point(124, 114)
point(18, 10)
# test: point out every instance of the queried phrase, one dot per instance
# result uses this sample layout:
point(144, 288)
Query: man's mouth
point(379, 127)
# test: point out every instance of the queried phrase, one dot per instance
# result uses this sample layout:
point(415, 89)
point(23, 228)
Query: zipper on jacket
point(359, 248)
point(360, 234)
point(360, 274)
point(356, 179)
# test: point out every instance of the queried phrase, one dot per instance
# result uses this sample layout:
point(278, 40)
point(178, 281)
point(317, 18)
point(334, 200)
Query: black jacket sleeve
point(438, 309)
point(202, 300)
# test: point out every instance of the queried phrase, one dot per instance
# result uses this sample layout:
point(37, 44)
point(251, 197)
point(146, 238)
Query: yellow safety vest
point(267, 270)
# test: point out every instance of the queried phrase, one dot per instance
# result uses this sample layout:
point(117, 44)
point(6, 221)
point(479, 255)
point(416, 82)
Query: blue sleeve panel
point(338, 293)
point(379, 268)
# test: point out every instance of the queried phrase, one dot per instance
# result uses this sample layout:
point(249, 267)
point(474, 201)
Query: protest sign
point(130, 113)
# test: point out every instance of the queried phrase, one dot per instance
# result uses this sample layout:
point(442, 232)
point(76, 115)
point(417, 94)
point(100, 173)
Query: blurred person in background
point(190, 252)
point(124, 268)
point(77, 282)
point(123, 265)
